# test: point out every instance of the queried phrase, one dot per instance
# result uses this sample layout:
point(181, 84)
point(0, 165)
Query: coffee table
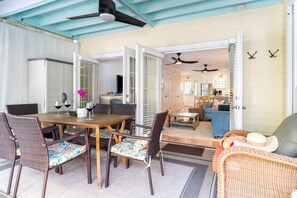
point(188, 119)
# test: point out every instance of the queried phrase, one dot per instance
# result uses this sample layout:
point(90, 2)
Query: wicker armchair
point(8, 148)
point(247, 172)
point(138, 147)
point(41, 155)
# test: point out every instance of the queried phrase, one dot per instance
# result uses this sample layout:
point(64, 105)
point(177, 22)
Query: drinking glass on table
point(58, 105)
point(67, 105)
point(94, 106)
point(89, 108)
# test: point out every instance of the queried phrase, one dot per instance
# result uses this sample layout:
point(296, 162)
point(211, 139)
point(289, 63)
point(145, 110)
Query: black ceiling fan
point(107, 12)
point(205, 69)
point(179, 61)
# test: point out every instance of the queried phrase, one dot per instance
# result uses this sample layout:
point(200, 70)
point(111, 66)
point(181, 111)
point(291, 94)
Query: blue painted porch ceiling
point(52, 15)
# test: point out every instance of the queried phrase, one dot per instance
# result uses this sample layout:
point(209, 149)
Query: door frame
point(219, 44)
point(291, 52)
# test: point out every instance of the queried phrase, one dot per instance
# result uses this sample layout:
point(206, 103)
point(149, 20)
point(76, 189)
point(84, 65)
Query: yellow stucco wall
point(263, 30)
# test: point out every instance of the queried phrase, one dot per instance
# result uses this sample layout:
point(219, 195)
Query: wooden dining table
point(98, 121)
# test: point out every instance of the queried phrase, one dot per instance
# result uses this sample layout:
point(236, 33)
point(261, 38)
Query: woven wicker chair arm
point(237, 132)
point(257, 154)
point(246, 167)
point(85, 132)
point(141, 126)
point(50, 128)
point(131, 136)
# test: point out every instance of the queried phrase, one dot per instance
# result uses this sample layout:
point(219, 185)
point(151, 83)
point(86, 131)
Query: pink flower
point(81, 92)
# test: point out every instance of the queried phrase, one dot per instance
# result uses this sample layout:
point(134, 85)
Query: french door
point(85, 77)
point(148, 85)
point(129, 76)
point(236, 81)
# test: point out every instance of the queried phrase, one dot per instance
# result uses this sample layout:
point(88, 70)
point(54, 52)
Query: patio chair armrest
point(50, 128)
point(85, 132)
point(141, 126)
point(130, 136)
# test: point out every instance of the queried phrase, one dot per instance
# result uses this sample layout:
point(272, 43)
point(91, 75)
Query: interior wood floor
point(202, 136)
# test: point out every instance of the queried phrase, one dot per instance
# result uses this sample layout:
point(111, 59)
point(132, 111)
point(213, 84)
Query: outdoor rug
point(184, 177)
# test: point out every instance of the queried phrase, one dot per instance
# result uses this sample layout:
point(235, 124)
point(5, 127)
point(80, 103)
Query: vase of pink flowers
point(81, 112)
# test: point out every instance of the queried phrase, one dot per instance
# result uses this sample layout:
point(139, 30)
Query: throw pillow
point(217, 102)
point(286, 135)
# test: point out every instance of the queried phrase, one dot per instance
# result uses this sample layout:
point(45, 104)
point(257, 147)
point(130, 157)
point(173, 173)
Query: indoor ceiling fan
point(205, 69)
point(107, 12)
point(179, 61)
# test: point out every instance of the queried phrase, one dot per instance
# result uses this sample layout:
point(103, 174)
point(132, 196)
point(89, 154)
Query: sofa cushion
point(217, 102)
point(286, 134)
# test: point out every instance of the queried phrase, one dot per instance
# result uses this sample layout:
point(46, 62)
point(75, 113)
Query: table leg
point(169, 119)
point(61, 130)
point(98, 158)
point(194, 123)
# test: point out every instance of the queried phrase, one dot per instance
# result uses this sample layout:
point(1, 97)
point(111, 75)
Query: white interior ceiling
point(215, 59)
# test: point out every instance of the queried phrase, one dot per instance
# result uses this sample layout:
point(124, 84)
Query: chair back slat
point(22, 109)
point(28, 132)
point(101, 108)
point(157, 127)
point(7, 144)
point(123, 109)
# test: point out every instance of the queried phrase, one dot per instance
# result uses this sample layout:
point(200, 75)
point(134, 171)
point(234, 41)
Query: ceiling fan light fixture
point(178, 63)
point(107, 17)
point(205, 71)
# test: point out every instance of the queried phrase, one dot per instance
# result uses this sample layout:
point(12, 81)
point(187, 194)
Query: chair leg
point(89, 171)
point(17, 181)
point(115, 162)
point(107, 170)
point(10, 177)
point(127, 163)
point(150, 180)
point(161, 163)
point(60, 170)
point(44, 183)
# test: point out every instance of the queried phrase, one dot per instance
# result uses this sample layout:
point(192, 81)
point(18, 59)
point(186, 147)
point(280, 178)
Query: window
point(195, 88)
point(220, 84)
point(86, 81)
point(188, 88)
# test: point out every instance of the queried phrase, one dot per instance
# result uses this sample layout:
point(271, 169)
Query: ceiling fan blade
point(174, 58)
point(172, 63)
point(189, 62)
point(197, 70)
point(121, 17)
point(84, 16)
point(210, 70)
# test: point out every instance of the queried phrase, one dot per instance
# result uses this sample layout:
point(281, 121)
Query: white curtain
point(16, 46)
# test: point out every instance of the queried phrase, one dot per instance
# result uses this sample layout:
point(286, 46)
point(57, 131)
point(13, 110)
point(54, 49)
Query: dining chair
point(40, 155)
point(117, 109)
point(26, 109)
point(101, 109)
point(8, 147)
point(143, 148)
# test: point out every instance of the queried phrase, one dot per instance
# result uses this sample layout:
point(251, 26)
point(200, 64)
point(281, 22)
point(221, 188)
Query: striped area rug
point(186, 176)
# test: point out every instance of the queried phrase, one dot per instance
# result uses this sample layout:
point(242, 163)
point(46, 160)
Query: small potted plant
point(81, 112)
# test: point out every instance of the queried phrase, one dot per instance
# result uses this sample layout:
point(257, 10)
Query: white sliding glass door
point(236, 81)
point(129, 77)
point(148, 84)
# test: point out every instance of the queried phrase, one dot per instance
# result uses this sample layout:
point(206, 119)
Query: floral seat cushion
point(72, 130)
point(132, 148)
point(63, 151)
point(104, 133)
